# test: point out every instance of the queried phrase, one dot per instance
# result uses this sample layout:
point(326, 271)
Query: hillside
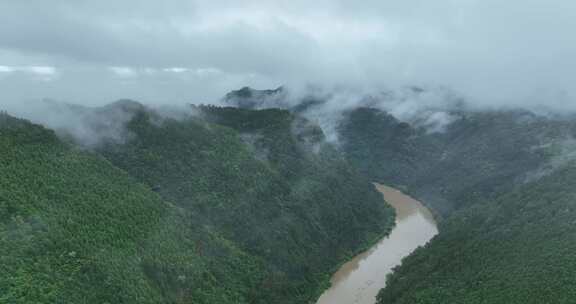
point(267, 181)
point(224, 207)
point(502, 182)
point(518, 248)
point(233, 205)
point(479, 154)
point(75, 229)
point(502, 185)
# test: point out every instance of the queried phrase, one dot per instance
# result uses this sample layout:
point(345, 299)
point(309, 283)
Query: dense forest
point(404, 152)
point(223, 206)
point(517, 248)
point(501, 182)
point(236, 205)
point(478, 155)
point(266, 180)
point(75, 229)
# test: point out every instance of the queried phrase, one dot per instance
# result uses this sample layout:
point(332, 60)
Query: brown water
point(359, 280)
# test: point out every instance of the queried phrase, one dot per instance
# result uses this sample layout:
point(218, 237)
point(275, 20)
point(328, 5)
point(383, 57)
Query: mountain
point(473, 152)
point(279, 98)
point(208, 204)
point(515, 248)
point(501, 183)
point(263, 178)
point(477, 155)
point(219, 206)
point(76, 229)
point(248, 98)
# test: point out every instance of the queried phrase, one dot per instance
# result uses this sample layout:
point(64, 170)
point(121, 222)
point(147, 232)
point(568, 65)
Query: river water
point(359, 280)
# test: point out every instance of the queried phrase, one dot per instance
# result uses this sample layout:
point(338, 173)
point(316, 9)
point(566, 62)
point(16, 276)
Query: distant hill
point(248, 98)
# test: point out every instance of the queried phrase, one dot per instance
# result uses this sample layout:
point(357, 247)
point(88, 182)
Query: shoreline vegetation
point(363, 249)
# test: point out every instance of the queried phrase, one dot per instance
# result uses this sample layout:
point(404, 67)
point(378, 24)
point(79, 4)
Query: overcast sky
point(96, 51)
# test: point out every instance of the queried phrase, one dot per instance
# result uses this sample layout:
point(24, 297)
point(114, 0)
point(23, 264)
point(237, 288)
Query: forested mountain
point(248, 98)
point(266, 181)
point(516, 248)
point(477, 155)
point(223, 206)
point(502, 184)
point(476, 152)
point(76, 229)
point(234, 205)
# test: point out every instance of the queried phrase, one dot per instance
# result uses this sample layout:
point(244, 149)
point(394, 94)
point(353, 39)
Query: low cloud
point(92, 126)
point(432, 109)
point(35, 73)
point(516, 53)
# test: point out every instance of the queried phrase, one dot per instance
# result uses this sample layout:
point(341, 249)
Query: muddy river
point(359, 280)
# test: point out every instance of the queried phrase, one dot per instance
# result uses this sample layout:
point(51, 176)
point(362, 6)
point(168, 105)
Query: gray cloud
point(494, 52)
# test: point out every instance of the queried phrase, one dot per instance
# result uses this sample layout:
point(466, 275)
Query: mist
point(416, 60)
point(516, 53)
point(92, 126)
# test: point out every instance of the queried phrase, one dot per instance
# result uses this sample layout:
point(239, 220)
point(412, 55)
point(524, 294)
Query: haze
point(175, 51)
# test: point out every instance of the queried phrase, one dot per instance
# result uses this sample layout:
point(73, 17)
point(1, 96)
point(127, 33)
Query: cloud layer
point(93, 52)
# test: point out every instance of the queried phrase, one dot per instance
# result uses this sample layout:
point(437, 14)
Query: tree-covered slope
point(477, 155)
point(504, 182)
point(518, 248)
point(445, 153)
point(230, 206)
point(75, 229)
point(266, 181)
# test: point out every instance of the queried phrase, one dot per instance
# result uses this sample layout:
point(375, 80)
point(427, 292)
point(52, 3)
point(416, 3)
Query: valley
point(235, 205)
point(287, 152)
point(181, 211)
point(499, 181)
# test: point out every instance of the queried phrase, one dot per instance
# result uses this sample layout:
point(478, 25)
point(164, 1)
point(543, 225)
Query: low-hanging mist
point(513, 53)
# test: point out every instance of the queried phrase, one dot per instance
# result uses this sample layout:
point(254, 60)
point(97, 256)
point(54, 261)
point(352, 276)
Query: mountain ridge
point(229, 227)
point(501, 183)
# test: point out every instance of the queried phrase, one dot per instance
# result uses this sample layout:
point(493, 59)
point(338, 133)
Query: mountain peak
point(127, 105)
point(250, 98)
